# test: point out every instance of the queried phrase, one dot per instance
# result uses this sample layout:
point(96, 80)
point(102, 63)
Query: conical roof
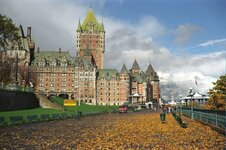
point(150, 70)
point(79, 26)
point(124, 69)
point(135, 65)
point(90, 18)
point(102, 26)
point(91, 22)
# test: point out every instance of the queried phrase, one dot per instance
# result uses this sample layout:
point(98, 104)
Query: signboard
point(68, 102)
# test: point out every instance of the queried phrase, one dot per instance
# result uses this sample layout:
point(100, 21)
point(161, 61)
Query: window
point(53, 64)
point(41, 74)
point(63, 64)
point(42, 64)
point(52, 90)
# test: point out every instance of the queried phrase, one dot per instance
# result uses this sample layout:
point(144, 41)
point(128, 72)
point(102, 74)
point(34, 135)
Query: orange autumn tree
point(217, 95)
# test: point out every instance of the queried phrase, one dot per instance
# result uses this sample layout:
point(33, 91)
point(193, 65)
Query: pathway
point(112, 131)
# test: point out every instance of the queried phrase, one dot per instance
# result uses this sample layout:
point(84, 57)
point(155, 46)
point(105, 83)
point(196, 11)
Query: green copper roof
point(48, 55)
point(81, 62)
point(108, 74)
point(89, 22)
point(58, 56)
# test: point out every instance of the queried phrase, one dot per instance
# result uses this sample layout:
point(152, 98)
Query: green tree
point(5, 72)
point(217, 95)
point(8, 32)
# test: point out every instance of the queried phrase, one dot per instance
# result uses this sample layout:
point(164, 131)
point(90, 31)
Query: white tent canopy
point(172, 103)
point(136, 95)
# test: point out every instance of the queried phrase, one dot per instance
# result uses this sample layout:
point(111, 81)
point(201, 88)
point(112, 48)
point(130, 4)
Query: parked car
point(123, 109)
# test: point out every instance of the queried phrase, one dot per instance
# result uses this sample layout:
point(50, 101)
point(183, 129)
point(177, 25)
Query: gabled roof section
point(81, 62)
point(108, 74)
point(124, 69)
point(87, 52)
point(137, 78)
point(135, 65)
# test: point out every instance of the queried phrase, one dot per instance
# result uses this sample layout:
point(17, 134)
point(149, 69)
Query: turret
point(135, 68)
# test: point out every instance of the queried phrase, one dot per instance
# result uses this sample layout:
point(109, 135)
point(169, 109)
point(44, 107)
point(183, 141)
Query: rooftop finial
point(90, 4)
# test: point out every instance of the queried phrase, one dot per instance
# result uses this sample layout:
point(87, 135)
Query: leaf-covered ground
point(113, 131)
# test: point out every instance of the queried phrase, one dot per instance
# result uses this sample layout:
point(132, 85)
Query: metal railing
point(207, 117)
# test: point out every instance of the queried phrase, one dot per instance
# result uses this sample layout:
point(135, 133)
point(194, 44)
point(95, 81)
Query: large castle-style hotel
point(83, 77)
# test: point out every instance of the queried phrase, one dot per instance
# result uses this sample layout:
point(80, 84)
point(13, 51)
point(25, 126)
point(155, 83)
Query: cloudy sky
point(184, 40)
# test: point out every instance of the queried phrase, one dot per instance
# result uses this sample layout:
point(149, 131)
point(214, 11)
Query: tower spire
point(90, 4)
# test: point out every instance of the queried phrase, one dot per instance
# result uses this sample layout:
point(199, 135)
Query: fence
point(44, 117)
point(213, 117)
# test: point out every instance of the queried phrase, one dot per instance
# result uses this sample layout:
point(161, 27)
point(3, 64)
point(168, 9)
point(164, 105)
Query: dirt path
point(113, 131)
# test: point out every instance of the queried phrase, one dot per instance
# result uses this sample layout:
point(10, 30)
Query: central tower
point(91, 39)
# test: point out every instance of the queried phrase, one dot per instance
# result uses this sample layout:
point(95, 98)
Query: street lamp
point(180, 105)
point(191, 94)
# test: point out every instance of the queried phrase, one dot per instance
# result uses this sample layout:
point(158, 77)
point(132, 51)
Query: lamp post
point(192, 114)
point(180, 105)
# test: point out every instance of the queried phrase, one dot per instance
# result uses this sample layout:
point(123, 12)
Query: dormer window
point(64, 63)
point(53, 64)
point(42, 63)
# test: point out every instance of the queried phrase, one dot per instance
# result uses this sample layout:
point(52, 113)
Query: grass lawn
point(38, 113)
point(84, 107)
point(91, 108)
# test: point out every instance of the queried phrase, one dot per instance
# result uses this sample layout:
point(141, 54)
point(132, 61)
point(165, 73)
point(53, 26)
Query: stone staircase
point(45, 103)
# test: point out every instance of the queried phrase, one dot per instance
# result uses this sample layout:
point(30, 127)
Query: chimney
point(38, 49)
point(59, 50)
point(29, 32)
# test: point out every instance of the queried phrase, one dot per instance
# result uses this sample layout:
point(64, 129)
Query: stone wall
point(16, 100)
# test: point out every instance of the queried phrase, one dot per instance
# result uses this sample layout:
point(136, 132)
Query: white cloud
point(185, 32)
point(54, 25)
point(211, 42)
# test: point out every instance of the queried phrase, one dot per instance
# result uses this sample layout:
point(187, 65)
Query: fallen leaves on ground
point(113, 131)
